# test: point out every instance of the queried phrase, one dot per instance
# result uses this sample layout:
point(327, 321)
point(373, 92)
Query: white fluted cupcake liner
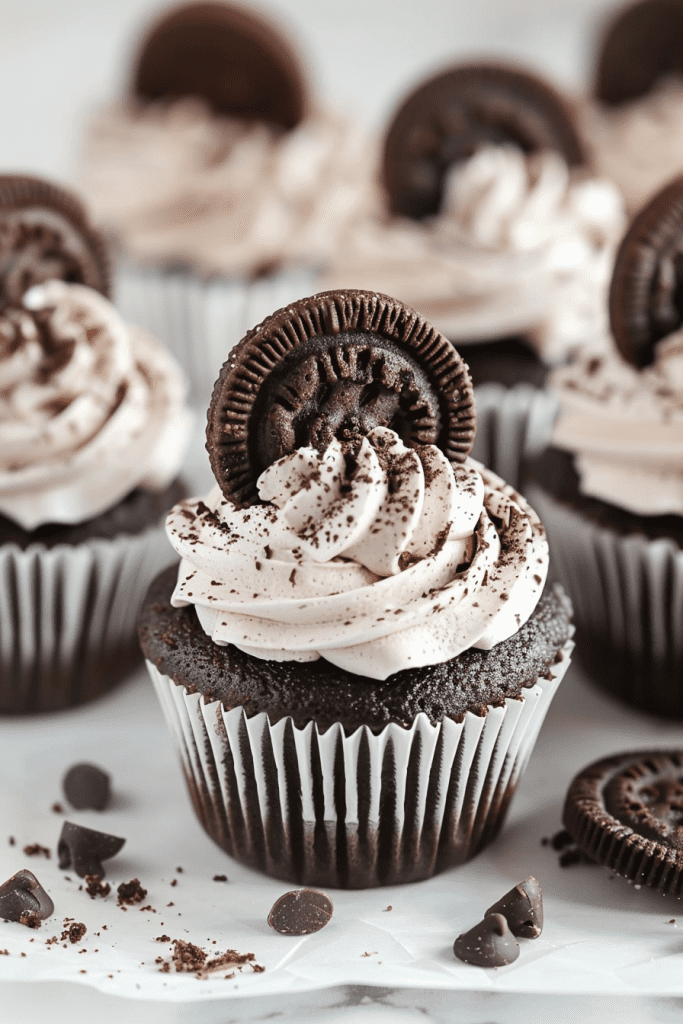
point(68, 617)
point(513, 427)
point(353, 811)
point(627, 593)
point(201, 320)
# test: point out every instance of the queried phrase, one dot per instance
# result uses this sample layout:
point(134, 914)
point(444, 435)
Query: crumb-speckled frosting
point(377, 560)
point(521, 246)
point(624, 426)
point(90, 408)
point(182, 185)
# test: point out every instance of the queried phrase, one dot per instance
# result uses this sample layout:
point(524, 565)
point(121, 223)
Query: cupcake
point(223, 183)
point(93, 429)
point(610, 489)
point(633, 123)
point(490, 225)
point(357, 651)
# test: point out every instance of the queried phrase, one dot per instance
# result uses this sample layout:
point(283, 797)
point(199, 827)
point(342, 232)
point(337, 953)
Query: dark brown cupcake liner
point(354, 811)
point(68, 617)
point(627, 593)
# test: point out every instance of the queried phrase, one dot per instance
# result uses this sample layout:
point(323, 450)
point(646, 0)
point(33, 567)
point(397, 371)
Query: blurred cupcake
point(610, 490)
point(633, 124)
point(357, 652)
point(92, 435)
point(225, 186)
point(491, 227)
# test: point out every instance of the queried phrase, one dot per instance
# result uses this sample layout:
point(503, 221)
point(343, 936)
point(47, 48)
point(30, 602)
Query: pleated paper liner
point(627, 593)
point(68, 617)
point(513, 427)
point(353, 811)
point(200, 320)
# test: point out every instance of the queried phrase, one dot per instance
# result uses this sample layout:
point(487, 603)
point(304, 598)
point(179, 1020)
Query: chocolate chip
point(235, 60)
point(87, 787)
point(489, 944)
point(522, 908)
point(448, 117)
point(335, 365)
point(22, 898)
point(45, 233)
point(301, 912)
point(85, 849)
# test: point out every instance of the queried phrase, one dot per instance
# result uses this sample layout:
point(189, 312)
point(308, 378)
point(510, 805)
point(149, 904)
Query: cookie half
point(239, 63)
point(45, 233)
point(639, 47)
point(646, 294)
point(336, 364)
point(450, 116)
point(626, 812)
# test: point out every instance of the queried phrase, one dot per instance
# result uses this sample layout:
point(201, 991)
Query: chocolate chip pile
point(492, 942)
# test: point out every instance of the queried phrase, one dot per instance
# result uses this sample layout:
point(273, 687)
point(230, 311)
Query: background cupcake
point(92, 435)
point(224, 183)
point(633, 124)
point(610, 490)
point(490, 226)
point(356, 654)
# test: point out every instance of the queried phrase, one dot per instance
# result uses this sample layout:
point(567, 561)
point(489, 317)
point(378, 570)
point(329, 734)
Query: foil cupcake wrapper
point(627, 593)
point(201, 320)
point(68, 617)
point(513, 427)
point(353, 811)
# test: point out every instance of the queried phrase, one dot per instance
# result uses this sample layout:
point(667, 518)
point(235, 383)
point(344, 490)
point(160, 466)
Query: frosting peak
point(376, 559)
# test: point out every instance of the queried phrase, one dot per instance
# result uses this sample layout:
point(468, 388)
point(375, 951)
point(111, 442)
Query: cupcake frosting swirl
point(625, 427)
point(180, 184)
point(90, 408)
point(378, 560)
point(520, 245)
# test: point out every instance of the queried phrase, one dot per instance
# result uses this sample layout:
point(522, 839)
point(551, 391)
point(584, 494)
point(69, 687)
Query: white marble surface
point(58, 58)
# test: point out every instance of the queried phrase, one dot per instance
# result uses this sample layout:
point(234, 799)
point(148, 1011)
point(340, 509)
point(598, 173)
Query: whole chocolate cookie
point(646, 294)
point(626, 812)
point(450, 116)
point(641, 45)
point(336, 364)
point(45, 233)
point(227, 55)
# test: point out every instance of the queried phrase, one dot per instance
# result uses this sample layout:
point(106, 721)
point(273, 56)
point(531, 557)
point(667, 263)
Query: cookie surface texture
point(45, 233)
point(236, 61)
point(640, 46)
point(646, 294)
point(450, 116)
point(336, 364)
point(626, 812)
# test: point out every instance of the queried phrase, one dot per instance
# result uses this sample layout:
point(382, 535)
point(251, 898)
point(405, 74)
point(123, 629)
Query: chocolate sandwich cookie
point(229, 57)
point(645, 301)
point(626, 812)
point(336, 364)
point(450, 116)
point(45, 233)
point(640, 46)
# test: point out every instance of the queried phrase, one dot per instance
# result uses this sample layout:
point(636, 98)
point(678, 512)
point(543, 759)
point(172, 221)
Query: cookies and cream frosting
point(625, 427)
point(90, 407)
point(638, 145)
point(180, 184)
point(520, 246)
point(377, 560)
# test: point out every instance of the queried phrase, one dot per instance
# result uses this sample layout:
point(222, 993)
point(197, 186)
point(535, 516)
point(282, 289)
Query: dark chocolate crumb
point(131, 892)
point(74, 932)
point(36, 850)
point(220, 878)
point(57, 808)
point(95, 887)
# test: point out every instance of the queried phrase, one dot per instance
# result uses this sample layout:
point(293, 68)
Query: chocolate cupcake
point(610, 488)
point(633, 122)
point(224, 183)
point(491, 227)
point(92, 435)
point(357, 652)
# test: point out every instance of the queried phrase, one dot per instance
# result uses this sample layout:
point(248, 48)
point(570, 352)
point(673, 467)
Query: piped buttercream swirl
point(380, 560)
point(90, 408)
